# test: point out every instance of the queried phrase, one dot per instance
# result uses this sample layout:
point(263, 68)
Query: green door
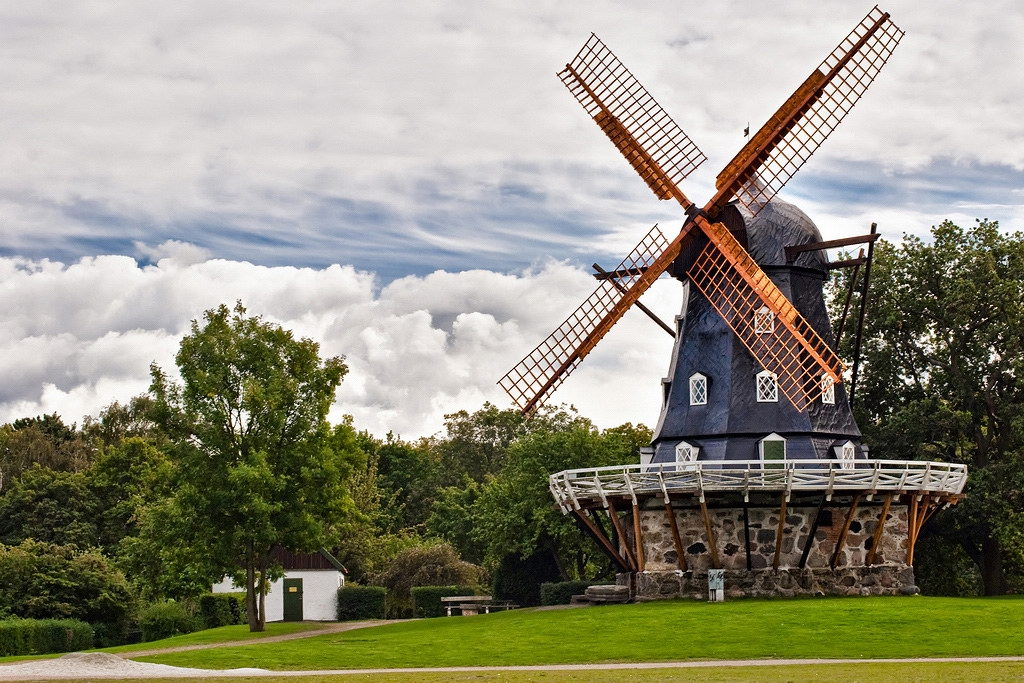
point(293, 599)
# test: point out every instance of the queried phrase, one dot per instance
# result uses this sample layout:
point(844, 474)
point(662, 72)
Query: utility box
point(716, 585)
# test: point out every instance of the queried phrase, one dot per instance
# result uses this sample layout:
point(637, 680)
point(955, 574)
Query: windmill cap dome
point(780, 225)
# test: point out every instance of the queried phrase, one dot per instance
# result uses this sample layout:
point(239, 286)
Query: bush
point(434, 564)
point(426, 600)
point(561, 593)
point(361, 602)
point(43, 636)
point(222, 609)
point(166, 619)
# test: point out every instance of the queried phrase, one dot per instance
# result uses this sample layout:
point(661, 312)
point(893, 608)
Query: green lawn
point(222, 634)
point(658, 631)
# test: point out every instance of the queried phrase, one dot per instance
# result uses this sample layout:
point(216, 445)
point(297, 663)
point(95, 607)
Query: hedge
point(43, 636)
point(361, 602)
point(426, 600)
point(166, 619)
point(561, 593)
point(222, 609)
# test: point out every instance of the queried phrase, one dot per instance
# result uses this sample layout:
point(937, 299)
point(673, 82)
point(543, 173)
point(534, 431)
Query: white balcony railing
point(570, 488)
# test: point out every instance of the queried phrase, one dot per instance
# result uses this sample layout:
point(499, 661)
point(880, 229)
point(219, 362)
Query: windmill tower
point(757, 466)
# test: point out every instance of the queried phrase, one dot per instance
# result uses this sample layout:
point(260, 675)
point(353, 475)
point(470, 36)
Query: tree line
point(206, 476)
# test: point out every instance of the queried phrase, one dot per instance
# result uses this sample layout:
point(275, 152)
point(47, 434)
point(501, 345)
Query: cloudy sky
point(409, 184)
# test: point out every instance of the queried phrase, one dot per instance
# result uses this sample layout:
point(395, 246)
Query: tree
point(255, 467)
point(943, 378)
point(515, 512)
point(49, 506)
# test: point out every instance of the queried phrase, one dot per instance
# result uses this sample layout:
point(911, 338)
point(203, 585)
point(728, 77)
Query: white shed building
point(307, 592)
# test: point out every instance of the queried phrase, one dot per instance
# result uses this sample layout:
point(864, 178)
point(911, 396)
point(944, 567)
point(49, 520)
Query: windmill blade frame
point(546, 367)
point(652, 142)
point(788, 139)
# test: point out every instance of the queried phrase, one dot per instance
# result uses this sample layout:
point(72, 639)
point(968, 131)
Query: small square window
point(698, 390)
point(764, 321)
point(767, 387)
point(828, 390)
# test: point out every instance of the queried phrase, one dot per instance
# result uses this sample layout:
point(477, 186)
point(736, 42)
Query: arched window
point(828, 389)
point(767, 386)
point(698, 389)
point(846, 454)
point(764, 321)
point(772, 448)
point(686, 456)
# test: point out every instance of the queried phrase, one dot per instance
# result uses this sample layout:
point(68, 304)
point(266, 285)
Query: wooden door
point(292, 599)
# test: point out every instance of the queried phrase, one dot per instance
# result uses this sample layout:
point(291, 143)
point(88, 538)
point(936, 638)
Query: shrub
point(166, 619)
point(426, 600)
point(222, 609)
point(435, 564)
point(361, 602)
point(46, 581)
point(42, 636)
point(561, 593)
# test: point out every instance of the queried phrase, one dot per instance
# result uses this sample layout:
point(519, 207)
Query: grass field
point(659, 631)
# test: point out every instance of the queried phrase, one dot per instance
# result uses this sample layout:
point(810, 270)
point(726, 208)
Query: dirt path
point(86, 665)
point(332, 628)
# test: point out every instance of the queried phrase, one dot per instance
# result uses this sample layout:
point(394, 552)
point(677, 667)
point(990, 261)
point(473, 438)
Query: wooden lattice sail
point(662, 154)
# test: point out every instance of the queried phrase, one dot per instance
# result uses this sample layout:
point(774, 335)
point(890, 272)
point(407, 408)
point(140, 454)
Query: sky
point(411, 186)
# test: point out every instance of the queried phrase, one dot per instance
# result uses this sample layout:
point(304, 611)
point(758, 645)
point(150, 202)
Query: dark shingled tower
point(730, 422)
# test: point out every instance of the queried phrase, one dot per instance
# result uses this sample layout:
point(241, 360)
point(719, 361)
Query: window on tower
point(698, 389)
point(846, 454)
point(767, 385)
point(764, 321)
point(686, 456)
point(828, 389)
point(772, 448)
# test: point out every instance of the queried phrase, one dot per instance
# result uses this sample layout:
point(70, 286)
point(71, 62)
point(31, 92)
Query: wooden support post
point(712, 542)
point(676, 540)
point(778, 532)
point(911, 532)
point(613, 515)
point(841, 541)
point(814, 530)
point(638, 539)
point(746, 534)
point(879, 530)
point(589, 526)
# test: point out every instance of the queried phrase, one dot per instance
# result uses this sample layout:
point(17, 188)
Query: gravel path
point(331, 628)
point(85, 665)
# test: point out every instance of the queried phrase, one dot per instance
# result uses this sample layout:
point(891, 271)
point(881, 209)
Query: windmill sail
point(808, 117)
point(763, 319)
point(637, 125)
point(547, 366)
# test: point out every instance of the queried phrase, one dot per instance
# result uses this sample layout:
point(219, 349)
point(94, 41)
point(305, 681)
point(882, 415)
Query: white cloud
point(81, 336)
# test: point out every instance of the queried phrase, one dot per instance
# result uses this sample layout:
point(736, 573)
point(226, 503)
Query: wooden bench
point(469, 605)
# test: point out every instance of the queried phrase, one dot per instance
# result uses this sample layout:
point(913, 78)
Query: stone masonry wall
point(889, 575)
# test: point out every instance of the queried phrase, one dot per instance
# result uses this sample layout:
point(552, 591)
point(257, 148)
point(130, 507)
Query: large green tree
point(255, 464)
point(943, 378)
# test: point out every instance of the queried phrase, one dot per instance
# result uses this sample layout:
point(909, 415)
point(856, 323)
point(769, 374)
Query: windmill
point(732, 466)
point(663, 155)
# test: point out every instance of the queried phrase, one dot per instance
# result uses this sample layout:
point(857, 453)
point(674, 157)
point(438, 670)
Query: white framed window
point(772, 448)
point(686, 455)
point(828, 389)
point(767, 386)
point(698, 389)
point(846, 454)
point(764, 321)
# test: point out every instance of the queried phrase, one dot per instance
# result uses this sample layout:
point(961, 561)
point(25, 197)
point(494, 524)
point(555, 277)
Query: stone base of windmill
point(758, 573)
